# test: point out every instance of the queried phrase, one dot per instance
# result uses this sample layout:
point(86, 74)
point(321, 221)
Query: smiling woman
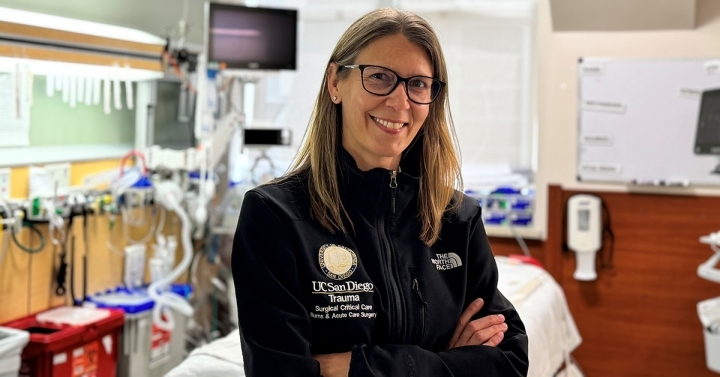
point(377, 264)
point(376, 127)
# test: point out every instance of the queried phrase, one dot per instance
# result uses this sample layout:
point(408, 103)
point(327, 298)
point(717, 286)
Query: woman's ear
point(332, 83)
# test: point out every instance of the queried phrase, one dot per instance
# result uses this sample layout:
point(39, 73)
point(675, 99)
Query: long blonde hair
point(439, 167)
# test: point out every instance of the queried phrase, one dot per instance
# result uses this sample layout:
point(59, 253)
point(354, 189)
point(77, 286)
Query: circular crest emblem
point(337, 262)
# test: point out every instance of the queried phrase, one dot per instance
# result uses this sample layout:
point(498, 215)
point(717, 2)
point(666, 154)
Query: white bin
point(146, 351)
point(12, 342)
point(709, 313)
point(712, 349)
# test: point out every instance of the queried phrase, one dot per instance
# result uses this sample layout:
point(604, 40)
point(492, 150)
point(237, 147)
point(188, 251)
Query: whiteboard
point(638, 120)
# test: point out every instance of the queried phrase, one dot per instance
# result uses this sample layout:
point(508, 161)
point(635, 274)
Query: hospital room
point(217, 188)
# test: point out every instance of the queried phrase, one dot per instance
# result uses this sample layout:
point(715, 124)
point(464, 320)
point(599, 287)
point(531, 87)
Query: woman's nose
point(398, 99)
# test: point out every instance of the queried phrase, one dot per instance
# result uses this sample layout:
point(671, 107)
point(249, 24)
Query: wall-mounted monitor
point(267, 137)
point(250, 38)
point(707, 137)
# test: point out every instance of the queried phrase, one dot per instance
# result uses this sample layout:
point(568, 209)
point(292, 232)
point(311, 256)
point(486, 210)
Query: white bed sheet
point(221, 358)
point(541, 304)
point(537, 297)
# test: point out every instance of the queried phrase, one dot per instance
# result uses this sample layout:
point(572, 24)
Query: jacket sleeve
point(274, 326)
point(509, 358)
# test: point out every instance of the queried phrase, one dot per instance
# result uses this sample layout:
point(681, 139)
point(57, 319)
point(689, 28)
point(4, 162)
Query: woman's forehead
point(399, 54)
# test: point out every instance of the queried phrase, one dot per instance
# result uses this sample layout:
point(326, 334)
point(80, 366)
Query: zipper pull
point(393, 186)
point(416, 288)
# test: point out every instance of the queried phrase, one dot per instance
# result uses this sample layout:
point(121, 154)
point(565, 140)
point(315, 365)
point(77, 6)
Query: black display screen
point(263, 137)
point(254, 38)
point(707, 139)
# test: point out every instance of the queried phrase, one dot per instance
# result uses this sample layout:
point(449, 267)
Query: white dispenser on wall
point(584, 233)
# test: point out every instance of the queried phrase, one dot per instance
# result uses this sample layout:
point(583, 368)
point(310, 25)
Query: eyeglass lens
point(381, 81)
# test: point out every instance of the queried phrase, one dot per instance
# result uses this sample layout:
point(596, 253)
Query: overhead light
point(61, 46)
point(72, 25)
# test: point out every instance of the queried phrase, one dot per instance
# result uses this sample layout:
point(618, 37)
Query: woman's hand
point(334, 364)
point(488, 331)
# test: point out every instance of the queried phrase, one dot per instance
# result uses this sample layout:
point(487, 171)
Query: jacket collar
point(370, 192)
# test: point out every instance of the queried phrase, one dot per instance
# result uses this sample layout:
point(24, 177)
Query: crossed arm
point(486, 331)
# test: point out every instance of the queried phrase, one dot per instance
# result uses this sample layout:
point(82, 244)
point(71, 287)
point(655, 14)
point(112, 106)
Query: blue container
point(495, 218)
point(523, 219)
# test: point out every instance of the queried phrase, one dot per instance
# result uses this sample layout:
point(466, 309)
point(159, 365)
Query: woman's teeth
point(391, 125)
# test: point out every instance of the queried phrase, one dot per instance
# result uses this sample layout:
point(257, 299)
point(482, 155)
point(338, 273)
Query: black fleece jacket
point(377, 291)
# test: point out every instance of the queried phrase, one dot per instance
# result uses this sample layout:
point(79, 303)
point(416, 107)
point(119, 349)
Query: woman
point(364, 260)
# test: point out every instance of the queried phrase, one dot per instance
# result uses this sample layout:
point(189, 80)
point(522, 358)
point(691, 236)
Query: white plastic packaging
point(135, 265)
point(12, 342)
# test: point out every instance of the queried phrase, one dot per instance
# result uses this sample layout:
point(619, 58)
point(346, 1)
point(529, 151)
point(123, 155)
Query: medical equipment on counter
point(584, 233)
point(505, 206)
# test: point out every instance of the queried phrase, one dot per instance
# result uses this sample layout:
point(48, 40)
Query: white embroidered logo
point(447, 261)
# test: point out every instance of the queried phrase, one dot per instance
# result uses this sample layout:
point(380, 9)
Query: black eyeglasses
point(381, 81)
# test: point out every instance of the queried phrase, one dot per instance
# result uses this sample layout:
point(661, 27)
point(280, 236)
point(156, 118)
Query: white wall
point(558, 54)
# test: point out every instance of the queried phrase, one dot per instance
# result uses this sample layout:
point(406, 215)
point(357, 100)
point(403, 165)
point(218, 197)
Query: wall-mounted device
point(267, 136)
point(250, 37)
point(707, 137)
point(584, 233)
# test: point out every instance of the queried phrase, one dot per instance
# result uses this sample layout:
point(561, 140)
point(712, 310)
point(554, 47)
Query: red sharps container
point(71, 342)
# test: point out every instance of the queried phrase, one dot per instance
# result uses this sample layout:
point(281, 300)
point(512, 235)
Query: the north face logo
point(447, 261)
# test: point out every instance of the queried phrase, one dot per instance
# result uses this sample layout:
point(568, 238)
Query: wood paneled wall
point(639, 318)
point(27, 281)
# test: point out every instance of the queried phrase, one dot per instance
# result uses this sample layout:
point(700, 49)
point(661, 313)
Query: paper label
point(604, 106)
point(689, 93)
point(85, 360)
point(60, 358)
point(107, 342)
point(600, 168)
point(160, 346)
point(597, 139)
point(592, 70)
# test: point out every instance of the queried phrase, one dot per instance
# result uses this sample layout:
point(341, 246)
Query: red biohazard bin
point(71, 342)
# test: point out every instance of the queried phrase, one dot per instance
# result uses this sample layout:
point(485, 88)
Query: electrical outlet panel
point(60, 173)
point(5, 183)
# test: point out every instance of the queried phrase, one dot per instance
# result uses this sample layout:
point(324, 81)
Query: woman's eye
point(380, 76)
point(418, 83)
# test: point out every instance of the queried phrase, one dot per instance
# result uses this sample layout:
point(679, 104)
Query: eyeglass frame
point(400, 79)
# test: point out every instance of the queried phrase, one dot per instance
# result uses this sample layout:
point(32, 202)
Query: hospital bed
point(537, 297)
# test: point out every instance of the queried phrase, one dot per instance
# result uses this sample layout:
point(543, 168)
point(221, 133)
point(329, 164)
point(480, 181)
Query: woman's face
point(376, 129)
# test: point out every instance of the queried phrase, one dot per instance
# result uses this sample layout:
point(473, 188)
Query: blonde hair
point(439, 166)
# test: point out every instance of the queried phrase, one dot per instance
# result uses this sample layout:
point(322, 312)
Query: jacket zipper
point(393, 187)
point(416, 288)
point(396, 297)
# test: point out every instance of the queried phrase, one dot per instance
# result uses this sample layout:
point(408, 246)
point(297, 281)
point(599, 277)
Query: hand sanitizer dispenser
point(584, 233)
